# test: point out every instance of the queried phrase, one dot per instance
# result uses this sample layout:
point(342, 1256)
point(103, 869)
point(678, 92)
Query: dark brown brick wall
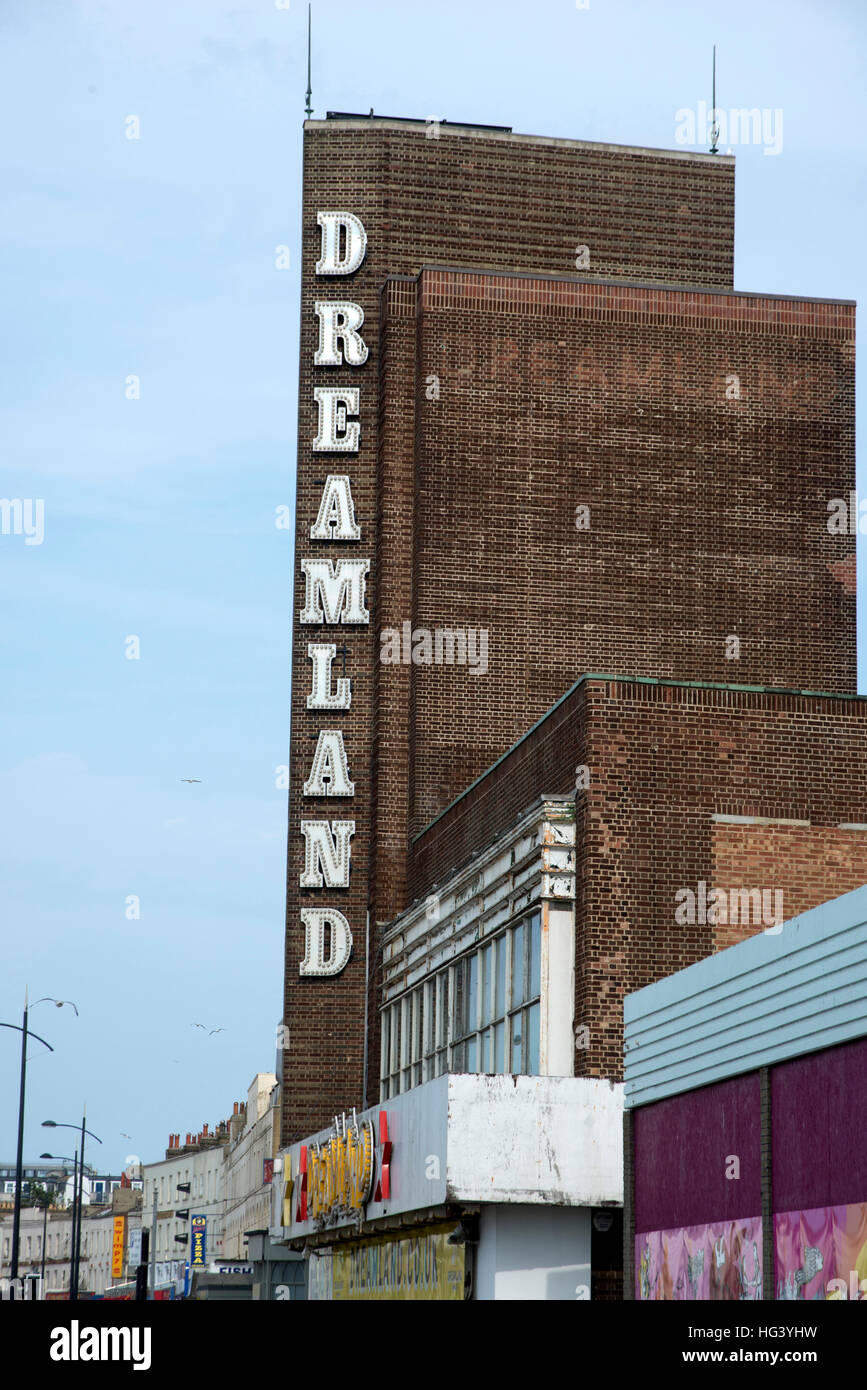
point(708, 514)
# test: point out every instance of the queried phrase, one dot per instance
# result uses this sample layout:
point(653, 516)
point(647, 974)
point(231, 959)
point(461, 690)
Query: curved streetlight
point(57, 1180)
point(65, 1158)
point(19, 1161)
point(57, 1124)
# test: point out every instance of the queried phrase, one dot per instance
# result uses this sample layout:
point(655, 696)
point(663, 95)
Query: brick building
point(541, 435)
point(681, 785)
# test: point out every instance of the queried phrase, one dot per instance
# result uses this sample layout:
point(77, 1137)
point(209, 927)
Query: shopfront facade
point(465, 1187)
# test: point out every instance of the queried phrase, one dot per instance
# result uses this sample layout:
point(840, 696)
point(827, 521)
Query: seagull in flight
point(125, 1136)
point(59, 1002)
point(216, 1030)
point(191, 779)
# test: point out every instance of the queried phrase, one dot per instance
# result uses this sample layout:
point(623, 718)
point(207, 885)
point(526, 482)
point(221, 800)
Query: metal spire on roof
point(714, 128)
point(308, 108)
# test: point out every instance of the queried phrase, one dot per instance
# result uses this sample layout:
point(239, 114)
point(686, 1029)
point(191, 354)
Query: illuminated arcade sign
point(338, 1176)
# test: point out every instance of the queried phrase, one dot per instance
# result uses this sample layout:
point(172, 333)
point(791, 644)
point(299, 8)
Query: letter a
point(329, 775)
point(336, 519)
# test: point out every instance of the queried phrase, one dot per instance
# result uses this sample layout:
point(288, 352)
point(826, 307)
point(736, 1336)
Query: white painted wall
point(535, 1139)
point(558, 988)
point(533, 1254)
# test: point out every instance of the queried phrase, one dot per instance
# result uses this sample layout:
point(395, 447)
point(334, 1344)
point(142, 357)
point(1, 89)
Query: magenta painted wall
point(819, 1128)
point(681, 1147)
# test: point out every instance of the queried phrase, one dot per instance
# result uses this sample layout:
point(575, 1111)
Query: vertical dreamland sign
point(198, 1241)
point(334, 594)
point(330, 744)
point(117, 1246)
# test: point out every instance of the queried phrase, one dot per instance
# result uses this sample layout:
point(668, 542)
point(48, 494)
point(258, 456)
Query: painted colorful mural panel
point(821, 1253)
point(720, 1260)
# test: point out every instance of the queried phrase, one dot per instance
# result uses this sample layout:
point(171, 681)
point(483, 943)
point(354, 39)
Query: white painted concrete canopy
point(467, 1138)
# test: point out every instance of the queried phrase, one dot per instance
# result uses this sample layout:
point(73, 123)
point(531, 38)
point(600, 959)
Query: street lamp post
point(64, 1158)
point(45, 1206)
point(76, 1242)
point(19, 1162)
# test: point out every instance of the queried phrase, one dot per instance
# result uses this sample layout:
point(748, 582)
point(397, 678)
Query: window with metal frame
point(479, 1014)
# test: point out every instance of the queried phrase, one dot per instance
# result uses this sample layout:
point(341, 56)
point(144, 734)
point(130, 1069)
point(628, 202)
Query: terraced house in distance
point(533, 406)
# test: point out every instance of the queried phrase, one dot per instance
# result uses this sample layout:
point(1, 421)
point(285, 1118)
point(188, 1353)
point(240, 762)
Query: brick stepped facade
point(704, 432)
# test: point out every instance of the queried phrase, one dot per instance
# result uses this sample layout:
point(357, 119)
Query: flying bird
point(199, 1025)
point(191, 779)
point(47, 999)
point(125, 1136)
point(216, 1030)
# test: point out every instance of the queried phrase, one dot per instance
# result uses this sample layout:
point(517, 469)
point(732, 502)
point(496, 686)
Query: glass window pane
point(472, 1053)
point(386, 1019)
point(500, 1047)
point(535, 956)
point(458, 1057)
point(486, 1061)
point(485, 1015)
point(500, 991)
point(416, 1024)
point(533, 1040)
point(517, 1032)
point(395, 1037)
point(471, 1011)
point(441, 1063)
point(404, 1030)
point(518, 966)
point(457, 1000)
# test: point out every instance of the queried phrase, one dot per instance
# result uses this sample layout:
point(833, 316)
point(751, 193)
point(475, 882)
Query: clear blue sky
point(156, 257)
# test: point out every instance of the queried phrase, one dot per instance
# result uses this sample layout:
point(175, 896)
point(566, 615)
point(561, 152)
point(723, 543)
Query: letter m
point(745, 906)
point(446, 639)
point(741, 121)
point(115, 1343)
point(10, 511)
point(334, 593)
